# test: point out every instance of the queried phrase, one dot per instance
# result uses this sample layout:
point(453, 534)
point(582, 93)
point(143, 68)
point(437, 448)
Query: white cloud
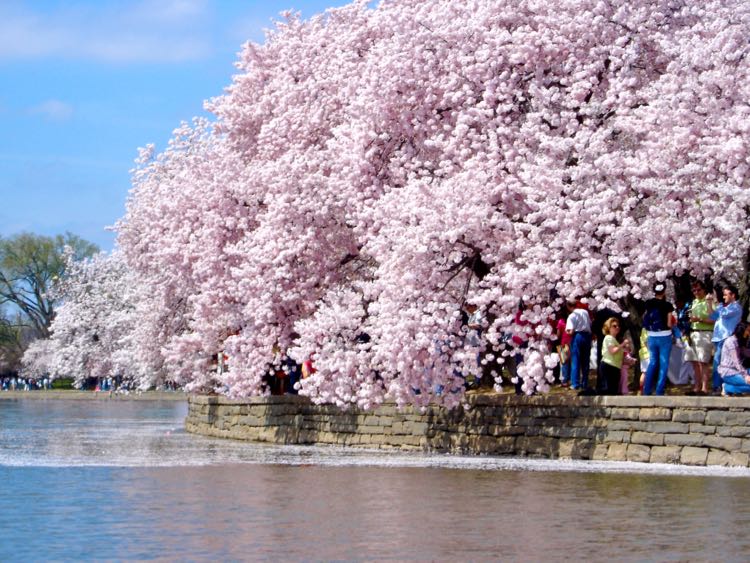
point(147, 31)
point(53, 110)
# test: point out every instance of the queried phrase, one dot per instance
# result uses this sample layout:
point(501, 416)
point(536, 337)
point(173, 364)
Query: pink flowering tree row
point(371, 170)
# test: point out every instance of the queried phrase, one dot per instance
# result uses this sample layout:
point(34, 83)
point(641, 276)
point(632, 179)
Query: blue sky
point(83, 84)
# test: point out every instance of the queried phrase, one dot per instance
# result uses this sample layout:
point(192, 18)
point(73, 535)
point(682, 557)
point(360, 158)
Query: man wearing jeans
point(727, 317)
point(658, 321)
point(578, 326)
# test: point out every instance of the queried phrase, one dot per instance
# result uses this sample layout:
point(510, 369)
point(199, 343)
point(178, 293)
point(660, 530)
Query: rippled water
point(122, 480)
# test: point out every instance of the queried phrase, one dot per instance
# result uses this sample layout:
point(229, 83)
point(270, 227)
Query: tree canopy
point(29, 265)
point(371, 170)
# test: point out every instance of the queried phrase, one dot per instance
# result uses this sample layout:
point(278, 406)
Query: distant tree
point(96, 328)
point(29, 265)
point(14, 338)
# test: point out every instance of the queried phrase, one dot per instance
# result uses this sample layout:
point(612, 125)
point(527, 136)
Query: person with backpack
point(658, 321)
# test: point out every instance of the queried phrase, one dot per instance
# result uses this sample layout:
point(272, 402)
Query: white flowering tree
point(95, 330)
point(371, 170)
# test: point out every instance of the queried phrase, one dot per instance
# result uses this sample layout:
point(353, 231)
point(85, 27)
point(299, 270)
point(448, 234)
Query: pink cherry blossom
point(370, 170)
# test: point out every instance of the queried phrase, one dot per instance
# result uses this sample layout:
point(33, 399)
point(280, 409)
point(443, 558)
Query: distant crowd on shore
point(15, 383)
point(96, 384)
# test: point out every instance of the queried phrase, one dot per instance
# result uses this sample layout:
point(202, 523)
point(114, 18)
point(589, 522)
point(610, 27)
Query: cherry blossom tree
point(96, 330)
point(371, 170)
point(37, 360)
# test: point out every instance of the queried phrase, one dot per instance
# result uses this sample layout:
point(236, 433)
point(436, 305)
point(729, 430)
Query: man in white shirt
point(578, 326)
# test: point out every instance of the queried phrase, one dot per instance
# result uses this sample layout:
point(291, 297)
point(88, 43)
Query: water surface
point(122, 480)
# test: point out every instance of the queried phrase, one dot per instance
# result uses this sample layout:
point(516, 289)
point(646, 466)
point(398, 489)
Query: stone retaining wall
point(687, 430)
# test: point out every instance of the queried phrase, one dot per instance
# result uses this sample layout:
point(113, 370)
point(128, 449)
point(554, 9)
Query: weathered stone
point(693, 456)
point(575, 449)
point(418, 427)
point(367, 429)
point(617, 452)
point(202, 418)
point(535, 446)
point(665, 454)
point(738, 459)
point(627, 425)
point(684, 440)
point(716, 417)
point(718, 457)
point(702, 429)
point(625, 414)
point(733, 431)
point(438, 440)
point(726, 444)
point(639, 453)
point(665, 427)
point(647, 438)
point(728, 418)
point(589, 422)
point(402, 440)
point(378, 439)
point(617, 436)
point(588, 412)
point(565, 432)
point(490, 444)
point(458, 442)
point(655, 414)
point(600, 452)
point(399, 428)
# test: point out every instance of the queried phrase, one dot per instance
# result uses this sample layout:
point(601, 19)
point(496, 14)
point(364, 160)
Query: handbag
point(564, 352)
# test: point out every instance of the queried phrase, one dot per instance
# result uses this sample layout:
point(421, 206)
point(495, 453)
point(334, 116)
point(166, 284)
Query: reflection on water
point(123, 481)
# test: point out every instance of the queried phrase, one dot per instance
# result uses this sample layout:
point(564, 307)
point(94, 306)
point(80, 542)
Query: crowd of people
point(701, 342)
point(96, 384)
point(15, 383)
point(706, 331)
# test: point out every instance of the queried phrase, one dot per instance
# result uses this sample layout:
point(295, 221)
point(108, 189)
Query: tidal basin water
point(84, 480)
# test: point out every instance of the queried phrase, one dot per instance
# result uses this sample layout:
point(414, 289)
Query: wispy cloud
point(147, 31)
point(53, 110)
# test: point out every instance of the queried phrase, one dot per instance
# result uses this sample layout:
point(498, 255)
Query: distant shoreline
point(95, 395)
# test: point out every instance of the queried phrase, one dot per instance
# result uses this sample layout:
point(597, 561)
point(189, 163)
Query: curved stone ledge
point(687, 430)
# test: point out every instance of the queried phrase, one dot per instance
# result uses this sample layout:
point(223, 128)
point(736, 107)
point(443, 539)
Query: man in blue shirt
point(727, 316)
